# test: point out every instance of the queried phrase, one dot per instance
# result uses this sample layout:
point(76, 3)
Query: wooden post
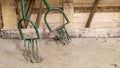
point(9, 14)
point(1, 21)
point(39, 14)
point(92, 13)
point(29, 10)
point(28, 2)
point(19, 12)
point(69, 10)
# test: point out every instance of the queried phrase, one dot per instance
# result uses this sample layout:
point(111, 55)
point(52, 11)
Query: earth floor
point(81, 53)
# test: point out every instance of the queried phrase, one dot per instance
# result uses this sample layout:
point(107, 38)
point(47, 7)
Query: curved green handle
point(20, 30)
point(24, 18)
point(23, 9)
point(53, 9)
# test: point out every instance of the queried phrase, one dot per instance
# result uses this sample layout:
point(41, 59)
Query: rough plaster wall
point(100, 20)
point(104, 24)
point(54, 20)
point(55, 2)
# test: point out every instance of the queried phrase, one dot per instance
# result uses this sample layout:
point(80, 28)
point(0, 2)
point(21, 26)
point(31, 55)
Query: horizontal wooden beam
point(84, 5)
point(103, 3)
point(98, 9)
point(88, 9)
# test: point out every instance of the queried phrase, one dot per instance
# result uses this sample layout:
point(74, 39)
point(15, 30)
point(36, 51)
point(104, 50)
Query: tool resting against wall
point(30, 44)
point(61, 31)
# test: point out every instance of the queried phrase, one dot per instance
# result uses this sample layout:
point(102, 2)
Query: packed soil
point(80, 53)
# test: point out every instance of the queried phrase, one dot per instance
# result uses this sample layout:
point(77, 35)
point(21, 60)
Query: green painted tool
point(30, 44)
point(61, 30)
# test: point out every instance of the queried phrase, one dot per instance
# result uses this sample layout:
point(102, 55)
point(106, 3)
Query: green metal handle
point(20, 30)
point(24, 18)
point(53, 9)
point(23, 9)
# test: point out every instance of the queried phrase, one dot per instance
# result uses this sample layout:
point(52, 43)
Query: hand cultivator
point(30, 44)
point(61, 31)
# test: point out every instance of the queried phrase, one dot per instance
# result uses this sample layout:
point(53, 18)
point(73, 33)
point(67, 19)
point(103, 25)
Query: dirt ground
point(81, 53)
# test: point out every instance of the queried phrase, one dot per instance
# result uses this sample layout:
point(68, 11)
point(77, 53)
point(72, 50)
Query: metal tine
point(68, 39)
point(24, 43)
point(63, 41)
point(25, 54)
point(67, 34)
point(61, 37)
point(64, 37)
point(36, 48)
point(29, 50)
point(33, 48)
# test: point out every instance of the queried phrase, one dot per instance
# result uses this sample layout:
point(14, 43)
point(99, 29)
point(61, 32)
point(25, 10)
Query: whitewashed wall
point(100, 20)
point(104, 24)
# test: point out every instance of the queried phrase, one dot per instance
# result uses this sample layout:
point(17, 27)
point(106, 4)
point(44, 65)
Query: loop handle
point(20, 30)
point(53, 9)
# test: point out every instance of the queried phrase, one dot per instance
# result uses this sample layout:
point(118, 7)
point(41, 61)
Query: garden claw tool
point(61, 30)
point(63, 35)
point(30, 44)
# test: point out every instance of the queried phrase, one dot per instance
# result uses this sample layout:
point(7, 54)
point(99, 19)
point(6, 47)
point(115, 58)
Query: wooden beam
point(29, 11)
point(87, 9)
point(67, 1)
point(92, 14)
point(30, 8)
point(18, 11)
point(39, 14)
point(1, 19)
point(27, 4)
point(98, 9)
